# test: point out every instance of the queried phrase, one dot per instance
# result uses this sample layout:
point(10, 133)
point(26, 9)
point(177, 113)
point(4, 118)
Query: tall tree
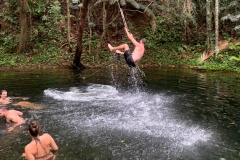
point(208, 23)
point(23, 24)
point(104, 20)
point(68, 26)
point(83, 14)
point(187, 12)
point(216, 26)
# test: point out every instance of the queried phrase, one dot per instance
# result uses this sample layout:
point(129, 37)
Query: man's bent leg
point(120, 47)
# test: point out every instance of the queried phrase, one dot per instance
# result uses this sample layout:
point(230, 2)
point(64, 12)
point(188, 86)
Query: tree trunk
point(208, 23)
point(216, 27)
point(187, 9)
point(90, 30)
point(68, 27)
point(23, 24)
point(104, 25)
point(83, 13)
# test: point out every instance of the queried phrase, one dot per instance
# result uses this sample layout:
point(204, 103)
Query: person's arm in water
point(17, 120)
point(53, 144)
point(130, 37)
point(20, 98)
point(16, 125)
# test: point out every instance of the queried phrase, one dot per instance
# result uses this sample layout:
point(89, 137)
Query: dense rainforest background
point(74, 33)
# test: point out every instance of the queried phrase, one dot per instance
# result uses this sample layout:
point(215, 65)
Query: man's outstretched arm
point(130, 37)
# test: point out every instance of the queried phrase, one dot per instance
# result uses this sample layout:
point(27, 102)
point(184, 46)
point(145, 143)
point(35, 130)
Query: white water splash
point(92, 92)
point(139, 113)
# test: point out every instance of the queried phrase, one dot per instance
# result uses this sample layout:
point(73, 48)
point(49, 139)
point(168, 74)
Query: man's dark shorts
point(128, 58)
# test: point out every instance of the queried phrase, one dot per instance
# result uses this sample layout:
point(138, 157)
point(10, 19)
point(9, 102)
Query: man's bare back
point(12, 116)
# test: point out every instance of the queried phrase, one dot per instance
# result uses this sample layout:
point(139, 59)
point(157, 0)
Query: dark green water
point(109, 115)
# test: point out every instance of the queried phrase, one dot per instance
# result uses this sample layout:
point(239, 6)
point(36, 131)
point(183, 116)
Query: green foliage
point(49, 31)
point(166, 32)
point(234, 50)
point(10, 15)
point(233, 58)
point(8, 19)
point(49, 56)
point(55, 12)
point(37, 7)
point(134, 3)
point(231, 12)
point(45, 16)
point(235, 47)
point(8, 42)
point(9, 59)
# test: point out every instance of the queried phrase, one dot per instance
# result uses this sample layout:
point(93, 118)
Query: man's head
point(144, 41)
point(3, 94)
point(2, 111)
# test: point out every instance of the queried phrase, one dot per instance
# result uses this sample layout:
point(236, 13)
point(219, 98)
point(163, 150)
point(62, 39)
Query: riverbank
point(62, 59)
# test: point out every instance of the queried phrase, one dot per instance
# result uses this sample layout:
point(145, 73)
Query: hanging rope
point(123, 18)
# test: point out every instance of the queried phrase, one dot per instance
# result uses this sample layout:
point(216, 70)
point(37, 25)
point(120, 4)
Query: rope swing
point(123, 18)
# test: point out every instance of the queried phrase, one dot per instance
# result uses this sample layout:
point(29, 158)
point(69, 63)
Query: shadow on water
point(130, 114)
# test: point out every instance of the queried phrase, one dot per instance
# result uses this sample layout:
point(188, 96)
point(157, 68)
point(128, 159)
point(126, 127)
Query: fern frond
point(233, 58)
point(237, 27)
point(233, 4)
point(230, 17)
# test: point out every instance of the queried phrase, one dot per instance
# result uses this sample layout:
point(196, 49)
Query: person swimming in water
point(136, 55)
point(4, 99)
point(12, 116)
point(41, 146)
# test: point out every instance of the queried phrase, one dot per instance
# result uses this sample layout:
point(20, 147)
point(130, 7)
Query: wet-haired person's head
point(34, 128)
point(144, 41)
point(3, 94)
point(3, 91)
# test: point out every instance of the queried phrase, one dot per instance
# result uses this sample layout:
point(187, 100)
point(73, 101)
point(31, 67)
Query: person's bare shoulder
point(46, 136)
point(29, 147)
point(13, 111)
